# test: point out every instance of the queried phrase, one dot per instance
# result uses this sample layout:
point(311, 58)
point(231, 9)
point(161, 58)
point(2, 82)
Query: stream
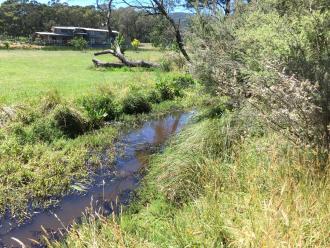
point(111, 188)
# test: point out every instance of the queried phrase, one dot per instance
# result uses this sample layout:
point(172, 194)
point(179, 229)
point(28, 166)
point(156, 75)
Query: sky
point(93, 2)
point(70, 2)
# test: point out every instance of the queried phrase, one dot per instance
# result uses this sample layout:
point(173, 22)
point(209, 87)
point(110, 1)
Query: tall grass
point(222, 183)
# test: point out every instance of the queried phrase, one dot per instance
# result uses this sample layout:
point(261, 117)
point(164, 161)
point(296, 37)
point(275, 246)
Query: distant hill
point(181, 17)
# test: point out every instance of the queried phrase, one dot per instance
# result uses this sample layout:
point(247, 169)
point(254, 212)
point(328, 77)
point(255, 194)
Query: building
point(62, 35)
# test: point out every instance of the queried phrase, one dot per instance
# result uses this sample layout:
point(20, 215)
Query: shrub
point(136, 103)
point(266, 54)
point(44, 130)
point(184, 81)
point(68, 121)
point(135, 44)
point(120, 42)
point(154, 96)
point(79, 43)
point(168, 89)
point(7, 44)
point(100, 108)
point(216, 111)
point(173, 60)
point(17, 130)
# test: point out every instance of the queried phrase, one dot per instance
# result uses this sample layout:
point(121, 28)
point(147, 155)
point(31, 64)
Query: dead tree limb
point(160, 7)
point(125, 62)
point(176, 27)
point(99, 63)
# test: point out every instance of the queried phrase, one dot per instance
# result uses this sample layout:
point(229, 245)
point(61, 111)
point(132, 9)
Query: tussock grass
point(222, 183)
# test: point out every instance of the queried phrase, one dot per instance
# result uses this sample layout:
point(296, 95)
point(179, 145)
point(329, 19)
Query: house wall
point(97, 37)
point(94, 37)
point(63, 31)
point(53, 40)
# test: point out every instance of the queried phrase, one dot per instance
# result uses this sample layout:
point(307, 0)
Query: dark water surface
point(110, 188)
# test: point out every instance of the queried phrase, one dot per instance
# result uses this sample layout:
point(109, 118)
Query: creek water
point(111, 188)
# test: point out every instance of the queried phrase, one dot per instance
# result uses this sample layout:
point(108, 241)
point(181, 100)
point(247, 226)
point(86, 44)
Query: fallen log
point(125, 62)
point(99, 63)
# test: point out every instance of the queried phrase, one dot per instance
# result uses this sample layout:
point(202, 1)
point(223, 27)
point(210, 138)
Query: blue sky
point(79, 2)
point(93, 2)
point(71, 2)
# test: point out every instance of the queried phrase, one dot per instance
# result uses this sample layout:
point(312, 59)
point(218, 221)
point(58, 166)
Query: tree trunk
point(178, 36)
point(227, 9)
point(99, 63)
point(109, 18)
point(124, 61)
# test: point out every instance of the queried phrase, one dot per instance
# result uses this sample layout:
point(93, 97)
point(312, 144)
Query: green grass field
point(28, 74)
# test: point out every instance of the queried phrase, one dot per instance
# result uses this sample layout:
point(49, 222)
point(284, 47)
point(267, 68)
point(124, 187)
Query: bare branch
point(125, 62)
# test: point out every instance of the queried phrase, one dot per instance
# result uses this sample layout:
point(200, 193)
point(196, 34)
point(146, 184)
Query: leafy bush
point(216, 111)
point(168, 89)
point(273, 55)
point(7, 44)
point(135, 44)
point(35, 130)
point(100, 108)
point(120, 42)
point(184, 81)
point(27, 115)
point(17, 130)
point(136, 103)
point(79, 43)
point(69, 121)
point(38, 41)
point(174, 60)
point(44, 130)
point(154, 96)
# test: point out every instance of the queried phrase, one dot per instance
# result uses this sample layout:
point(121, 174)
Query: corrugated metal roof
point(53, 34)
point(87, 29)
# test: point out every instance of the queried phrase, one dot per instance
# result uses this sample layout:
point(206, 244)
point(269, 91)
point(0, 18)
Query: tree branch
point(125, 62)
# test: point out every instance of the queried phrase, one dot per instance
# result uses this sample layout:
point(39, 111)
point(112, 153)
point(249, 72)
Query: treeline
point(18, 18)
point(23, 18)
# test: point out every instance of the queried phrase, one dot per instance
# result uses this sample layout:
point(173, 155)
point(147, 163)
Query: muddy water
point(111, 188)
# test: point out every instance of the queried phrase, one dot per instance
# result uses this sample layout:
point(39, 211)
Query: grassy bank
point(47, 149)
point(224, 182)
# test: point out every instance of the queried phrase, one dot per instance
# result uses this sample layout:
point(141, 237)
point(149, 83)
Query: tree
point(163, 8)
point(23, 18)
point(213, 5)
point(107, 9)
point(275, 56)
